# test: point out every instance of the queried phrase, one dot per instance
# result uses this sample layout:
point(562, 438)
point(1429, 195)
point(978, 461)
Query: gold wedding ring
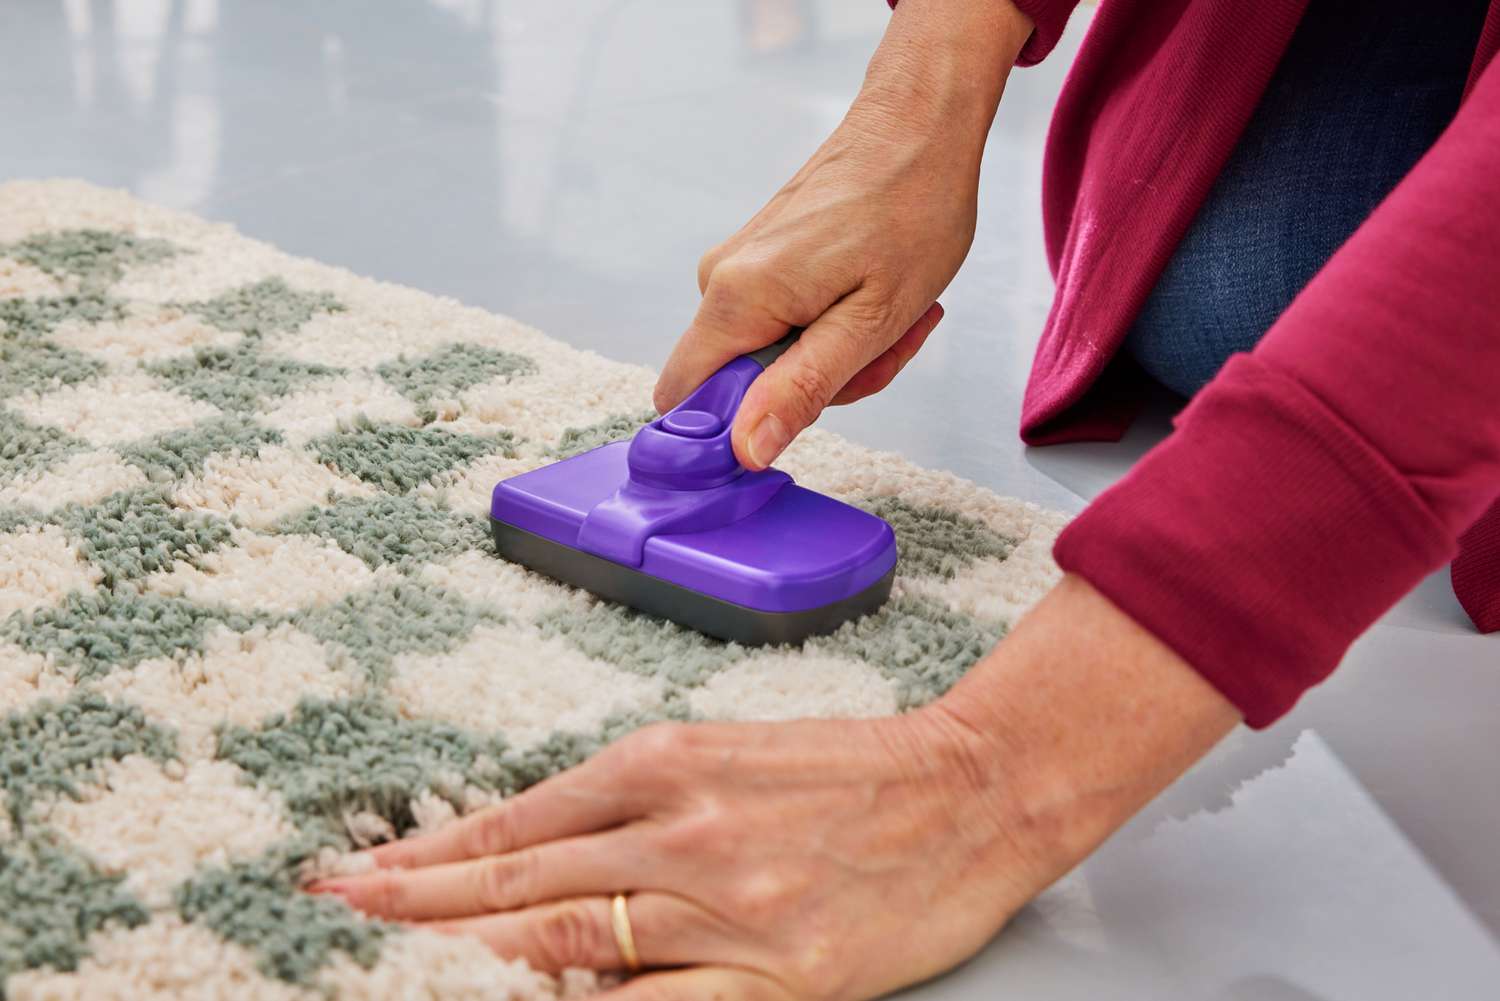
point(619, 918)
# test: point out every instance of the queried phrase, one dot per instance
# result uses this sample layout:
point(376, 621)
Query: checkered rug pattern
point(251, 618)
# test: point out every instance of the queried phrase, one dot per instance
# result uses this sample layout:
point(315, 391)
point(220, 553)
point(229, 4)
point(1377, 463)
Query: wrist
point(941, 753)
point(942, 65)
point(1086, 717)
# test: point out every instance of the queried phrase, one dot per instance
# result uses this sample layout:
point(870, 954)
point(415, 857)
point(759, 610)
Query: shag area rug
point(250, 616)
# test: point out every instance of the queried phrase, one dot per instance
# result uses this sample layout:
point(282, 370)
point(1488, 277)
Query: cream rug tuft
point(250, 616)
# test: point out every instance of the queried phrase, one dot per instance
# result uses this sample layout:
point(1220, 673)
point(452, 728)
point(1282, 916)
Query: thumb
point(789, 395)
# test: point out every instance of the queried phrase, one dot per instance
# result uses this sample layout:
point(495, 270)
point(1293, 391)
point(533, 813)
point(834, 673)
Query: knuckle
point(635, 758)
point(568, 935)
point(705, 831)
point(707, 263)
point(489, 832)
point(763, 896)
point(869, 316)
point(745, 283)
point(502, 881)
point(395, 855)
point(387, 894)
point(664, 758)
point(657, 743)
point(816, 967)
point(737, 275)
point(811, 388)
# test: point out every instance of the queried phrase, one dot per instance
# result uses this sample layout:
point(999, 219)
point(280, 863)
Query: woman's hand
point(858, 245)
point(822, 860)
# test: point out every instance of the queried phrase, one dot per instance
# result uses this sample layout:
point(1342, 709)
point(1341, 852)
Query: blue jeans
point(1364, 89)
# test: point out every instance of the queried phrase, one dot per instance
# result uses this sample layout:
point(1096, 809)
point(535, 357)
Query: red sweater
point(1319, 477)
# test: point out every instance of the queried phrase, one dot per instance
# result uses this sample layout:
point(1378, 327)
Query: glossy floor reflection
point(1298, 886)
point(566, 163)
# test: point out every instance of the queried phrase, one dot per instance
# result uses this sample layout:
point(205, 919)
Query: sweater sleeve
point(1048, 17)
point(1318, 478)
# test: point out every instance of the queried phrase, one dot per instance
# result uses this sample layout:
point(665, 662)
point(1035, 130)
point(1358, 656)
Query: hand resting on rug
point(821, 859)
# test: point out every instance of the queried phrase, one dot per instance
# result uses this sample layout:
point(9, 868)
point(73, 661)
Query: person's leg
point(1364, 89)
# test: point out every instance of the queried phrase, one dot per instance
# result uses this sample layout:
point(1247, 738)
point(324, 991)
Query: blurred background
point(563, 163)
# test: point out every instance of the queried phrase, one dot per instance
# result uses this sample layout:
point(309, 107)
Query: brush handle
point(683, 475)
point(766, 355)
point(688, 447)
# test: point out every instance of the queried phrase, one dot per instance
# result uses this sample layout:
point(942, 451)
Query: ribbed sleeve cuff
point(1476, 572)
point(1259, 540)
point(1049, 18)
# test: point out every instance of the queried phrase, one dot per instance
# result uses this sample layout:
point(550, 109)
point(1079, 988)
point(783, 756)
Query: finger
point(574, 867)
point(590, 797)
point(878, 374)
point(793, 391)
point(742, 310)
point(667, 930)
point(699, 983)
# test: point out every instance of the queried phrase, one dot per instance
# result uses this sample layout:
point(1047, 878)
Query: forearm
point(942, 65)
point(1081, 717)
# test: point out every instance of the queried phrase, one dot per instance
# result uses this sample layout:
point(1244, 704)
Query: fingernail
point(334, 886)
point(767, 440)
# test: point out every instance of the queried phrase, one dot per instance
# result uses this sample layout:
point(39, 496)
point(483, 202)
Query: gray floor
point(566, 163)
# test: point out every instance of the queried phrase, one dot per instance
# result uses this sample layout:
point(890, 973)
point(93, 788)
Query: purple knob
point(688, 448)
point(692, 423)
point(683, 475)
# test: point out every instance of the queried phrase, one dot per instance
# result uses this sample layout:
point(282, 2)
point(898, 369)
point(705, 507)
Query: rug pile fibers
point(250, 618)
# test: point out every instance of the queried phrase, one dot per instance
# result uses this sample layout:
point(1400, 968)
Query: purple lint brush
point(672, 524)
